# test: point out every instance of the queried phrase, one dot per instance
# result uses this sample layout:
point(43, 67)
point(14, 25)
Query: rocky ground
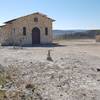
point(74, 73)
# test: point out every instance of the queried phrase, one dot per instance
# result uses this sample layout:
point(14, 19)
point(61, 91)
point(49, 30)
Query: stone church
point(32, 29)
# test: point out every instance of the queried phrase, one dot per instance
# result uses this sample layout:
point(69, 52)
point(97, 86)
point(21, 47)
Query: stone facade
point(19, 31)
point(97, 38)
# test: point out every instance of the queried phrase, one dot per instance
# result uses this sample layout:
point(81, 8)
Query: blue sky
point(69, 14)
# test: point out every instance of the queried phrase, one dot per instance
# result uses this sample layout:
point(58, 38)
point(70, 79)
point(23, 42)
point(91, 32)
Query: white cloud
point(1, 24)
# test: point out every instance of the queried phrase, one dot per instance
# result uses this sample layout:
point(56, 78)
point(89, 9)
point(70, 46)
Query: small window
point(14, 30)
point(46, 31)
point(24, 31)
point(35, 19)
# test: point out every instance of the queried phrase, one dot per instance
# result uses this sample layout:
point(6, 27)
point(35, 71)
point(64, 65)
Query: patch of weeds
point(39, 96)
point(30, 87)
point(2, 94)
point(2, 79)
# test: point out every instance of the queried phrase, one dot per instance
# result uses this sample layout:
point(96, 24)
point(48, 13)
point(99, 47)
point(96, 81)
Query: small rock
point(98, 69)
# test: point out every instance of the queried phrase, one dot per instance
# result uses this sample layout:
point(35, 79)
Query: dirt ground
point(74, 73)
point(88, 47)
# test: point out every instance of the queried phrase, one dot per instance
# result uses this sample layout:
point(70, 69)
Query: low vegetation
point(89, 34)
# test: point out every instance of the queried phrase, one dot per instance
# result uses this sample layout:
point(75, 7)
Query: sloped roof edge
point(29, 15)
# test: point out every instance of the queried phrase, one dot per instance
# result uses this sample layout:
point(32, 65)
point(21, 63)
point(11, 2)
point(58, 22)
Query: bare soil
point(74, 73)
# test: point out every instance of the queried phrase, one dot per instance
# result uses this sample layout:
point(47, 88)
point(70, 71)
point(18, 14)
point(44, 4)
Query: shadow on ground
point(45, 45)
point(37, 45)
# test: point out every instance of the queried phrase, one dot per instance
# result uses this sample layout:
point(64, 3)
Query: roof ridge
point(29, 15)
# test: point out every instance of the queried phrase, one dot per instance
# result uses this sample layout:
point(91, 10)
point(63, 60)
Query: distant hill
point(67, 34)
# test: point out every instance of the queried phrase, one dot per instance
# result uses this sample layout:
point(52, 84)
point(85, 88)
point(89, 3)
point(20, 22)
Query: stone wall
point(97, 38)
point(13, 31)
point(5, 34)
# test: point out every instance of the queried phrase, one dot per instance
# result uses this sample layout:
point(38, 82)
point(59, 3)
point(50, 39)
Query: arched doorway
point(36, 36)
